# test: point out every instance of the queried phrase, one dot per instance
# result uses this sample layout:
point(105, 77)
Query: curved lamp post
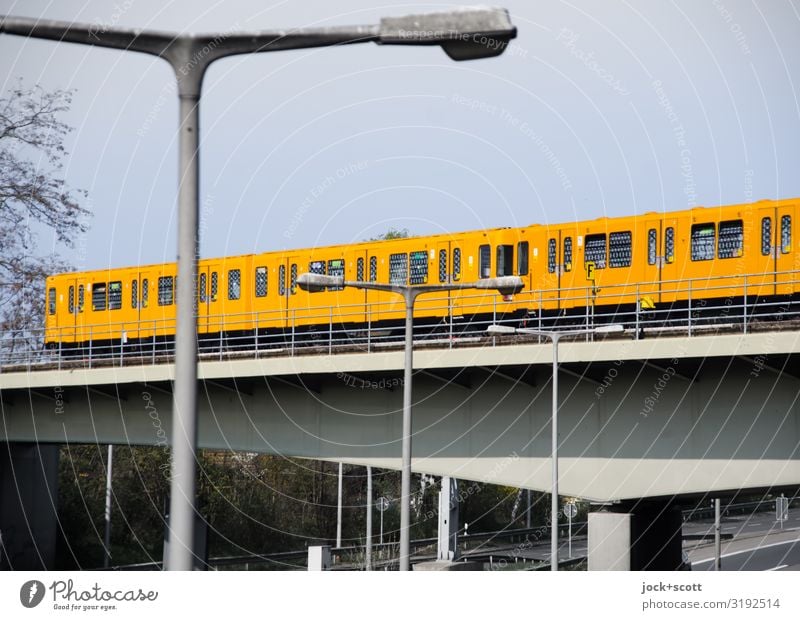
point(506, 285)
point(554, 337)
point(463, 34)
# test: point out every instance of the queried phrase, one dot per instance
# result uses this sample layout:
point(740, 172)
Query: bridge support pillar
point(637, 535)
point(447, 548)
point(319, 558)
point(28, 506)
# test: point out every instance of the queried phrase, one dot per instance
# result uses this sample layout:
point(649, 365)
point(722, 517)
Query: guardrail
point(730, 303)
point(739, 508)
point(479, 544)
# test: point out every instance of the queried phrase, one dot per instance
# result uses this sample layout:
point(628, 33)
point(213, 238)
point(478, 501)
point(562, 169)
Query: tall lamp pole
point(506, 285)
point(555, 337)
point(463, 34)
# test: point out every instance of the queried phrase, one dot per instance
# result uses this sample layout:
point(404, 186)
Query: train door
point(145, 302)
point(354, 300)
point(785, 281)
point(263, 292)
point(441, 273)
point(650, 287)
point(670, 254)
point(375, 300)
point(549, 277)
point(209, 305)
point(130, 304)
point(765, 251)
point(66, 313)
point(289, 270)
point(571, 278)
point(80, 308)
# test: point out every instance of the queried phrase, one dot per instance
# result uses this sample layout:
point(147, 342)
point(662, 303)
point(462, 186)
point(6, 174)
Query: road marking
point(727, 555)
point(778, 567)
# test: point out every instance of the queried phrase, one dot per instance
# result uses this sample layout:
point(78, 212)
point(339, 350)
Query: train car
point(700, 257)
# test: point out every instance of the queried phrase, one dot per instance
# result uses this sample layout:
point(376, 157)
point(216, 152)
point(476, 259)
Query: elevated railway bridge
point(704, 403)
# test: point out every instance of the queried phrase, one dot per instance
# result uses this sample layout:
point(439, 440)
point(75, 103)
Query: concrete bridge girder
point(697, 418)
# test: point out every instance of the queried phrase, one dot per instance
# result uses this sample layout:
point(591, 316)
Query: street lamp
point(505, 285)
point(555, 337)
point(464, 34)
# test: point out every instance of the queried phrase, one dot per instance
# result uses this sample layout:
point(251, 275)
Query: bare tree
point(33, 197)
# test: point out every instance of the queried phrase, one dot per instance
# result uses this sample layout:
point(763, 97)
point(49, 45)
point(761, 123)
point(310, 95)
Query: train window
point(293, 279)
point(317, 267)
point(360, 270)
point(551, 256)
point(442, 265)
point(203, 288)
point(214, 285)
point(786, 234)
point(619, 249)
point(669, 244)
point(485, 253)
point(71, 300)
point(567, 253)
point(234, 284)
point(261, 281)
point(398, 268)
point(418, 263)
point(145, 289)
point(165, 290)
point(702, 242)
point(652, 244)
point(595, 251)
point(51, 300)
point(373, 268)
point(114, 295)
point(281, 280)
point(456, 264)
point(766, 236)
point(522, 258)
point(504, 263)
point(135, 294)
point(336, 268)
point(98, 296)
point(731, 239)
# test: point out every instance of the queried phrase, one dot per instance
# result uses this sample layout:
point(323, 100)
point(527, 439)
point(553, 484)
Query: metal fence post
point(541, 303)
point(588, 295)
point(294, 321)
point(450, 320)
point(369, 329)
point(638, 305)
point(744, 307)
point(689, 296)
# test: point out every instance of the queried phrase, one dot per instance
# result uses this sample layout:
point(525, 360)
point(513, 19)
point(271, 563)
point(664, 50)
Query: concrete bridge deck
point(638, 418)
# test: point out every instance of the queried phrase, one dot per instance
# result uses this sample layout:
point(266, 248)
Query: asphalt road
point(742, 525)
point(760, 543)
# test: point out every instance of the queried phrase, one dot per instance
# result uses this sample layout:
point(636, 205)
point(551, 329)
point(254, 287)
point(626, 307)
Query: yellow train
point(655, 260)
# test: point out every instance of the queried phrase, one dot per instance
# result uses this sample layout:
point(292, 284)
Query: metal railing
point(732, 303)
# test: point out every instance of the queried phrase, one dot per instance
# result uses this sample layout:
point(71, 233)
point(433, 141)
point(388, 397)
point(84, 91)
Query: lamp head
point(464, 34)
point(317, 282)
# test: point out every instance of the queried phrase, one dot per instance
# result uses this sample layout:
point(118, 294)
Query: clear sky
point(598, 108)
